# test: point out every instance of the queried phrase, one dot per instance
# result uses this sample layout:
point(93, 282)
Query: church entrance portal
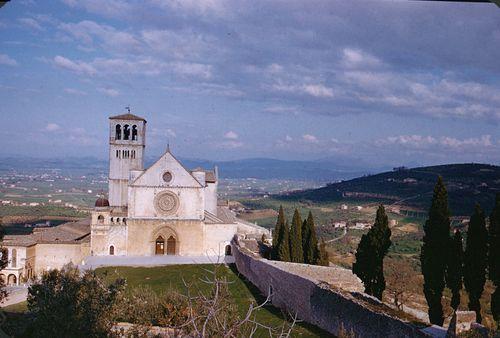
point(160, 246)
point(171, 246)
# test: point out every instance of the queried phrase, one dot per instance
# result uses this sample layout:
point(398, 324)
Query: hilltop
point(467, 184)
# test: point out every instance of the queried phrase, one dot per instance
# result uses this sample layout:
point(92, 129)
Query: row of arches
point(127, 133)
point(9, 280)
point(100, 220)
point(11, 258)
point(125, 153)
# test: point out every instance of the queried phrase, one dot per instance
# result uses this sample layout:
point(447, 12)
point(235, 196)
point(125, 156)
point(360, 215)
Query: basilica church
point(165, 209)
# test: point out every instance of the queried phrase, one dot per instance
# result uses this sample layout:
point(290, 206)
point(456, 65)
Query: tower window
point(118, 132)
point(100, 219)
point(133, 153)
point(134, 133)
point(117, 154)
point(126, 132)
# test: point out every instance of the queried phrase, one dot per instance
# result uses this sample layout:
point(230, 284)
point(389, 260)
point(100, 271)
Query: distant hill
point(466, 183)
point(324, 170)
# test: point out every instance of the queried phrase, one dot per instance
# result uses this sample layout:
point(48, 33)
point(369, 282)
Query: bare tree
point(400, 279)
point(214, 314)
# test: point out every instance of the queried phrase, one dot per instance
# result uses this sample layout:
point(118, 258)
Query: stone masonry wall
point(317, 302)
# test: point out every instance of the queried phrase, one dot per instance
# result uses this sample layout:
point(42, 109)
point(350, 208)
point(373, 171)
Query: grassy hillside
point(467, 184)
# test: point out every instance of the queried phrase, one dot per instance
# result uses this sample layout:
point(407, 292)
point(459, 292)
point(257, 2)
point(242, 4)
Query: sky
point(389, 82)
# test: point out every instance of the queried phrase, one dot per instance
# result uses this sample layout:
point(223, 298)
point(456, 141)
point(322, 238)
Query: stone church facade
point(165, 209)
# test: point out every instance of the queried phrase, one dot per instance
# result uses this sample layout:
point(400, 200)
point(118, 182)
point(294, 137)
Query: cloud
point(231, 135)
point(74, 91)
point(316, 90)
point(88, 32)
point(310, 138)
point(7, 60)
point(31, 23)
point(425, 142)
point(51, 127)
point(109, 92)
point(357, 58)
point(74, 66)
point(171, 133)
point(142, 66)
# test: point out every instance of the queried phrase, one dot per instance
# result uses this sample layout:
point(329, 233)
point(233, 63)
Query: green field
point(244, 293)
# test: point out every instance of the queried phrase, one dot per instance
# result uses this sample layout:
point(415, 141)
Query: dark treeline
point(297, 243)
point(445, 262)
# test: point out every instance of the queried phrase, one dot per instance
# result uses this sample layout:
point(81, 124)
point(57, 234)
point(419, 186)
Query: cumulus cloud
point(310, 138)
point(74, 91)
point(109, 92)
point(357, 58)
point(7, 60)
point(52, 127)
point(74, 66)
point(423, 142)
point(231, 135)
point(30, 23)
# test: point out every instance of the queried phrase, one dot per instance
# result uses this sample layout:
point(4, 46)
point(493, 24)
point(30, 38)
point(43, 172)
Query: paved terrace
point(93, 262)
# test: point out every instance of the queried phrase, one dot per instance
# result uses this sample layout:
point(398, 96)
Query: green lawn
point(243, 292)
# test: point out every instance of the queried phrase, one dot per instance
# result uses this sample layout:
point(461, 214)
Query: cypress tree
point(284, 244)
point(434, 252)
point(280, 222)
point(494, 259)
point(454, 271)
point(372, 248)
point(296, 253)
point(323, 254)
point(475, 260)
point(310, 247)
point(305, 236)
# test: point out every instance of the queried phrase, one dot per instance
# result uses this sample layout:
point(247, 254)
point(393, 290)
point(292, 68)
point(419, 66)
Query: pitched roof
point(71, 232)
point(127, 116)
point(210, 176)
point(18, 240)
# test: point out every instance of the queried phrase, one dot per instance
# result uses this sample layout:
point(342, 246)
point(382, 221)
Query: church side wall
point(55, 256)
point(217, 236)
point(211, 198)
point(112, 235)
point(318, 304)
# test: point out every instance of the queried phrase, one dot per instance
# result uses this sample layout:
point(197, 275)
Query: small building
point(344, 207)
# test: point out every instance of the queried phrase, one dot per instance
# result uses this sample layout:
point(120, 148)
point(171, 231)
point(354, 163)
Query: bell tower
point(127, 140)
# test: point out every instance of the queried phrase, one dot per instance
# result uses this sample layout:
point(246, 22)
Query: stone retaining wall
point(318, 303)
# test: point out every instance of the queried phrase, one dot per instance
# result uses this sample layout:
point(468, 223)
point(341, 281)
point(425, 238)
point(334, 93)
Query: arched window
point(160, 246)
point(118, 220)
point(112, 220)
point(124, 221)
point(171, 245)
point(117, 154)
point(111, 250)
point(12, 280)
point(14, 258)
point(126, 132)
point(134, 133)
point(228, 250)
point(100, 219)
point(118, 132)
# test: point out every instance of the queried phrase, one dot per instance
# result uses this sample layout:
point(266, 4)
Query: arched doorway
point(228, 250)
point(171, 246)
point(3, 278)
point(111, 250)
point(12, 280)
point(160, 246)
